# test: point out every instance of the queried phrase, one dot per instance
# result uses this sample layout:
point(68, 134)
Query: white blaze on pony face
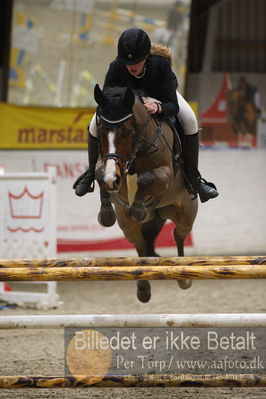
point(110, 168)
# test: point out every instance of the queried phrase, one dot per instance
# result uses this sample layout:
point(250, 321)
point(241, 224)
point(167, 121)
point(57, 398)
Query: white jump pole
point(134, 320)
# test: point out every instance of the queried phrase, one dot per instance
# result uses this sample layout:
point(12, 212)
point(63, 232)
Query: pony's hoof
point(144, 291)
point(184, 284)
point(106, 216)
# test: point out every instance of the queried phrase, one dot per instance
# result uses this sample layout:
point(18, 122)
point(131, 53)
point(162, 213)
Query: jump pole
point(135, 261)
point(133, 268)
point(99, 273)
point(143, 380)
point(134, 320)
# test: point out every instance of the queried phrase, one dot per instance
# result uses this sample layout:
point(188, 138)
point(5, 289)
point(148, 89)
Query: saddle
point(178, 145)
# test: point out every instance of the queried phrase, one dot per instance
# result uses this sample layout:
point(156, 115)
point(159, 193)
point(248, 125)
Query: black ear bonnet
point(114, 111)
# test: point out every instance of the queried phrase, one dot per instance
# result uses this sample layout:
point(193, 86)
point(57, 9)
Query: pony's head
point(117, 132)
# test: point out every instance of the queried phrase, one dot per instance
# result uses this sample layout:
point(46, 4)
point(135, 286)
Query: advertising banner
point(43, 127)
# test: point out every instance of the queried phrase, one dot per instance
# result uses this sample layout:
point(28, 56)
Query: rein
point(143, 152)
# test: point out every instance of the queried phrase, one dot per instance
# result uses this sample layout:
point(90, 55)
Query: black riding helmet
point(133, 46)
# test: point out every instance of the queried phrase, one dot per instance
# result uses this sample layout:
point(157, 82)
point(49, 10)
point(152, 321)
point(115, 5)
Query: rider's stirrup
point(84, 183)
point(207, 190)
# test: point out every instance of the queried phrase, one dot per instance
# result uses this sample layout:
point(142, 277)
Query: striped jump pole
point(139, 381)
point(135, 261)
point(92, 269)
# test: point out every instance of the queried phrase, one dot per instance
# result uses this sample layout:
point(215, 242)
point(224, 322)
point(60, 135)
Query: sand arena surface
point(41, 352)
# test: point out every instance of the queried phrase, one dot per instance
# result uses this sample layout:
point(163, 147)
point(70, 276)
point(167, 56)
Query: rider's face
point(136, 69)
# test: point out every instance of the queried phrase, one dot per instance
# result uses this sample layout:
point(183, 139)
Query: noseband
point(117, 158)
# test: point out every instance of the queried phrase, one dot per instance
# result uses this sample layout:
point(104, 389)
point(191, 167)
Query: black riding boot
point(195, 183)
point(85, 183)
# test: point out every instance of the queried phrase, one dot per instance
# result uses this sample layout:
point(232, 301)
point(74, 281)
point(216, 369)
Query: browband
point(117, 121)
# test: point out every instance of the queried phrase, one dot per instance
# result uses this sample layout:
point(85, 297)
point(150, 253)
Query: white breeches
point(186, 116)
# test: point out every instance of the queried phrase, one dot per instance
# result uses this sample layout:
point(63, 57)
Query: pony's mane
point(118, 91)
point(114, 91)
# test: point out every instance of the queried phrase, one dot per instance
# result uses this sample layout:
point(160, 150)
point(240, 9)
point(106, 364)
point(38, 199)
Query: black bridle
point(139, 151)
point(117, 158)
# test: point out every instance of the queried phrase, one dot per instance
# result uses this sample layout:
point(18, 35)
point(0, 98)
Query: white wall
point(235, 222)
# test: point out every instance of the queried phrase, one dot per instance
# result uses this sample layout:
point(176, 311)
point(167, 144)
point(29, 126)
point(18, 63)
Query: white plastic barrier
point(28, 228)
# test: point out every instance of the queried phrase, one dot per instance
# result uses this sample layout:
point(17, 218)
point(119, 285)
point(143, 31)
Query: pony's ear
point(99, 97)
point(129, 99)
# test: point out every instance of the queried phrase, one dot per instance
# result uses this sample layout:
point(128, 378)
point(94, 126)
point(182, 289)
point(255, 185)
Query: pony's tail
point(164, 51)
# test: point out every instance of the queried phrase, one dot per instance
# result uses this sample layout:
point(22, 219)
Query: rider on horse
point(136, 67)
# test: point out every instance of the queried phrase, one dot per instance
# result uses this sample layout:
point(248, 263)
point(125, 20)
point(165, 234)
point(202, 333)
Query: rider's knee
point(189, 122)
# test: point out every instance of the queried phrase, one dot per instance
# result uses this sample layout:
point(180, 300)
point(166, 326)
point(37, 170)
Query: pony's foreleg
point(106, 216)
point(136, 233)
point(151, 183)
point(137, 209)
point(150, 231)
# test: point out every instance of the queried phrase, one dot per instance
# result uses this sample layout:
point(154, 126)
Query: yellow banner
point(36, 128)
